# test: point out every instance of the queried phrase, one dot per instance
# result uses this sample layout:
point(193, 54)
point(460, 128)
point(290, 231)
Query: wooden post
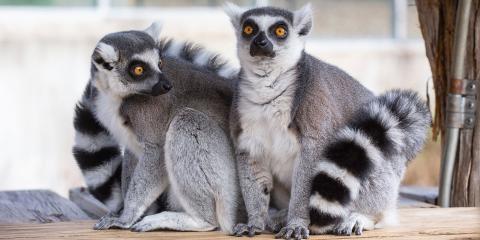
point(437, 22)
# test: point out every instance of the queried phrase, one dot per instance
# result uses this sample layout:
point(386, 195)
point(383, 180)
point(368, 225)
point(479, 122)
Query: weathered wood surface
point(424, 223)
point(87, 202)
point(37, 206)
point(437, 22)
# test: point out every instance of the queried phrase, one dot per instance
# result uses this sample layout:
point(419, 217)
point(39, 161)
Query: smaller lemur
point(153, 126)
point(357, 180)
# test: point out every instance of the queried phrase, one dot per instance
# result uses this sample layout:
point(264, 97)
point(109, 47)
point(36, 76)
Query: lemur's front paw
point(250, 230)
point(293, 231)
point(108, 222)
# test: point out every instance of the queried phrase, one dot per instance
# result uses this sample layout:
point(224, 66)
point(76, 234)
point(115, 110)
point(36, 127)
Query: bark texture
point(437, 22)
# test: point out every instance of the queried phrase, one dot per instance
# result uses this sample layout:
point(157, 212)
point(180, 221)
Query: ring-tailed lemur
point(357, 179)
point(170, 115)
point(286, 108)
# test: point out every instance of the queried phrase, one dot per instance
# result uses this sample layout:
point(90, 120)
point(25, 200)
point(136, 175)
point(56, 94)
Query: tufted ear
point(303, 20)
point(234, 12)
point(104, 55)
point(154, 31)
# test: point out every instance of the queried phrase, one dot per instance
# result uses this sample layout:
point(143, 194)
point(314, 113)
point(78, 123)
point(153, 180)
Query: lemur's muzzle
point(261, 46)
point(161, 87)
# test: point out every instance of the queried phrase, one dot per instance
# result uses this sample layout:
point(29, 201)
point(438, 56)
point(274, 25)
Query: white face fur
point(129, 63)
point(282, 32)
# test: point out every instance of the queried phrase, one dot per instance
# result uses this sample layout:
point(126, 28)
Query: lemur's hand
point(250, 230)
point(295, 230)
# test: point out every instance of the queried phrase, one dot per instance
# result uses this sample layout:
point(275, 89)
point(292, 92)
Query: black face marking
point(85, 121)
point(330, 188)
point(253, 25)
point(376, 132)
point(320, 219)
point(271, 11)
point(137, 63)
point(104, 191)
point(350, 156)
point(89, 160)
point(272, 30)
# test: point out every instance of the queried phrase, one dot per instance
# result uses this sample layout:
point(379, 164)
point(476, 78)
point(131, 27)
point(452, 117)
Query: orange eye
point(160, 63)
point(280, 31)
point(138, 70)
point(248, 30)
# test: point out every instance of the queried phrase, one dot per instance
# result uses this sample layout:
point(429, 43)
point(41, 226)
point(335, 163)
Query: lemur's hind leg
point(199, 159)
point(178, 221)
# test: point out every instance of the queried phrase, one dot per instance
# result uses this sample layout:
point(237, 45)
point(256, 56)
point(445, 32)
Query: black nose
point(261, 46)
point(161, 87)
point(261, 42)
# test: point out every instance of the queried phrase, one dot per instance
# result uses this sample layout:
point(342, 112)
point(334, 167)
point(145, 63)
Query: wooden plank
point(37, 206)
point(87, 202)
point(415, 223)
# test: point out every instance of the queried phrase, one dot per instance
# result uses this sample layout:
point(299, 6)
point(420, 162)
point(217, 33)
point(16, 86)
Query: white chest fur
point(264, 122)
point(108, 113)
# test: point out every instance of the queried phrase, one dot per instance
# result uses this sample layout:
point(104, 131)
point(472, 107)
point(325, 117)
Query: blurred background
point(45, 48)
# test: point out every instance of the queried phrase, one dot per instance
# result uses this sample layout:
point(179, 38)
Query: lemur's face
point(128, 63)
point(269, 32)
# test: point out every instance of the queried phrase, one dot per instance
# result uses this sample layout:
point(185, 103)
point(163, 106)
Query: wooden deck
point(415, 223)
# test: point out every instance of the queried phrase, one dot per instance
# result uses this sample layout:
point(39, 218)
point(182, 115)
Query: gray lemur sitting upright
point(171, 118)
point(287, 108)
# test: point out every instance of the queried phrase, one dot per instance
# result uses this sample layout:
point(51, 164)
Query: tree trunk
point(437, 22)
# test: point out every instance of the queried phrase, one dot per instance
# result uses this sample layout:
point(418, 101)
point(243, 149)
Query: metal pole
point(399, 19)
point(452, 131)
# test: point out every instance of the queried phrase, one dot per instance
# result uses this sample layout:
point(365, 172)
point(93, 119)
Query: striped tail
point(97, 154)
point(199, 57)
point(390, 128)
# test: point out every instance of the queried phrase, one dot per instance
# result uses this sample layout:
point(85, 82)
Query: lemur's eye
point(248, 30)
point(138, 70)
point(160, 63)
point(280, 32)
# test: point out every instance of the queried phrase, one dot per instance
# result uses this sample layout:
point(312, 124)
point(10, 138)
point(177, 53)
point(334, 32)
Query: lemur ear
point(303, 20)
point(234, 12)
point(154, 31)
point(104, 55)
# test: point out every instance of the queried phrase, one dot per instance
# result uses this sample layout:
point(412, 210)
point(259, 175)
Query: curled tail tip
point(413, 116)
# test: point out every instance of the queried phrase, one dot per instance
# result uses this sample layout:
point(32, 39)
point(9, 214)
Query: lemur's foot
point(293, 231)
point(108, 221)
point(250, 230)
point(145, 225)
